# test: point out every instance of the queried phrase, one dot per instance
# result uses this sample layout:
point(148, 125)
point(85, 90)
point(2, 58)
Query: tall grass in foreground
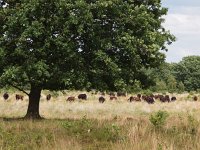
point(137, 133)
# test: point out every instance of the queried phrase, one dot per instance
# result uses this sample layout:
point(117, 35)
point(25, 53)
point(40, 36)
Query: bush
point(159, 118)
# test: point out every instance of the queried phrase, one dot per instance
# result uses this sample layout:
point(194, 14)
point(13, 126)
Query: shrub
point(159, 118)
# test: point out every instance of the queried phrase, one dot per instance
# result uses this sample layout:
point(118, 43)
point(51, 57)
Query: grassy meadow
point(92, 125)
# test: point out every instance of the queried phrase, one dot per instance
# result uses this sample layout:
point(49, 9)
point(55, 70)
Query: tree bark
point(33, 106)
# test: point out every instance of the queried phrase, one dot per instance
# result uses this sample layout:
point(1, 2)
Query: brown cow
point(82, 96)
point(164, 98)
point(149, 99)
point(19, 97)
point(195, 98)
point(113, 98)
point(173, 99)
point(5, 96)
point(71, 98)
point(48, 97)
point(132, 98)
point(144, 97)
point(167, 98)
point(101, 99)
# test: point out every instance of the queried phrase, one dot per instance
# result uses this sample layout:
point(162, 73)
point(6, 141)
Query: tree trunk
point(33, 106)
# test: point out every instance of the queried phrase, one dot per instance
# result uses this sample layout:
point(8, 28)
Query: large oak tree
point(99, 44)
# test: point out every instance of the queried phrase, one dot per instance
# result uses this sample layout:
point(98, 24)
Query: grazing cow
point(132, 98)
point(195, 98)
point(82, 96)
point(167, 98)
point(19, 97)
point(48, 97)
point(149, 100)
point(173, 98)
point(164, 98)
point(121, 94)
point(144, 97)
point(71, 98)
point(113, 98)
point(5, 96)
point(101, 99)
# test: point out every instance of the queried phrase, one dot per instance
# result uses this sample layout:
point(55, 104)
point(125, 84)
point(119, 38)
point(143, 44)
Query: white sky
point(183, 20)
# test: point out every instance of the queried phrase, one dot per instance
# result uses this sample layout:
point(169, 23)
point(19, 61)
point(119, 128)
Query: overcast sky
point(183, 20)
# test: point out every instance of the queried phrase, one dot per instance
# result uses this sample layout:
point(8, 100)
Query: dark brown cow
point(173, 99)
point(167, 98)
point(48, 97)
point(19, 97)
point(149, 99)
point(101, 99)
point(164, 98)
point(113, 98)
point(195, 98)
point(71, 98)
point(5, 96)
point(144, 97)
point(131, 99)
point(82, 96)
point(121, 94)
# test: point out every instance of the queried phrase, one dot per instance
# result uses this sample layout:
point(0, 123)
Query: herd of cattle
point(150, 99)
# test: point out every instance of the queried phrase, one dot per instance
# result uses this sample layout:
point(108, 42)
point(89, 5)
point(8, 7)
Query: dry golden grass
point(59, 108)
point(91, 125)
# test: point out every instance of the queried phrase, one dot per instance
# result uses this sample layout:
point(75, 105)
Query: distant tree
point(187, 71)
point(181, 87)
point(161, 78)
point(171, 83)
point(57, 44)
point(161, 86)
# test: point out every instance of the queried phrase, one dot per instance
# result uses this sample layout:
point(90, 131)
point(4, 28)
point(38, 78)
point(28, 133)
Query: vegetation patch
point(92, 133)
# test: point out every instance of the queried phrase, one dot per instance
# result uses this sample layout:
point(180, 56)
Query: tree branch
point(18, 88)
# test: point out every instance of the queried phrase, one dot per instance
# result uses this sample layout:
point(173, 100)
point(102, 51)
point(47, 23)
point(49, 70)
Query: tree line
point(172, 77)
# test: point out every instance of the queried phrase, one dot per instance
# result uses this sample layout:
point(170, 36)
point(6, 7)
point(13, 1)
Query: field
point(91, 125)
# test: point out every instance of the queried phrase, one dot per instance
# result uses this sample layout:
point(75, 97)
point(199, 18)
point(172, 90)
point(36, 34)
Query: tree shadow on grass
point(20, 119)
